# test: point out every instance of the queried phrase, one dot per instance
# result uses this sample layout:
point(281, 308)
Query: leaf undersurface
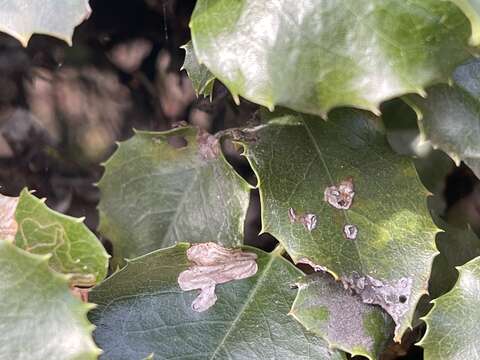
point(23, 18)
point(155, 194)
point(316, 55)
point(39, 317)
point(296, 157)
point(202, 79)
point(449, 116)
point(75, 250)
point(324, 307)
point(141, 310)
point(452, 324)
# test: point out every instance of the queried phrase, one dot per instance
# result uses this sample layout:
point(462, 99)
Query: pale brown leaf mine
point(8, 225)
point(213, 264)
point(392, 296)
point(208, 145)
point(309, 221)
point(340, 197)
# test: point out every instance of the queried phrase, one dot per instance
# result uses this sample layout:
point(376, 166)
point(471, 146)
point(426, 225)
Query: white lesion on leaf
point(309, 221)
point(8, 224)
point(212, 264)
point(350, 231)
point(392, 296)
point(341, 196)
point(208, 145)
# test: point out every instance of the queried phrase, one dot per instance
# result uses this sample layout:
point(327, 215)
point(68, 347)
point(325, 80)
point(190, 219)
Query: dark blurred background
point(63, 108)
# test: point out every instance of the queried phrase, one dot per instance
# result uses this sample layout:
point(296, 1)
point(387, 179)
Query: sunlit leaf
point(389, 245)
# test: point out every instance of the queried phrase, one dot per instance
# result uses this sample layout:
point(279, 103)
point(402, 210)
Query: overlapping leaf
point(457, 245)
point(313, 56)
point(23, 18)
point(327, 309)
point(160, 188)
point(141, 310)
point(471, 8)
point(39, 317)
point(202, 79)
point(297, 157)
point(74, 248)
point(452, 324)
point(450, 116)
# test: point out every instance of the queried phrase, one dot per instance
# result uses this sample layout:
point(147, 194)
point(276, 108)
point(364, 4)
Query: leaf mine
point(309, 221)
point(340, 197)
point(208, 145)
point(309, 262)
point(213, 264)
point(350, 231)
point(392, 296)
point(8, 225)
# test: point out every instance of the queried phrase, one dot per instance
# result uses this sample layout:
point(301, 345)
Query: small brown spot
point(350, 231)
point(341, 196)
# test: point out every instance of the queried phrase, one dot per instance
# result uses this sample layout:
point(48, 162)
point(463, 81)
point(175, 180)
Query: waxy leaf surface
point(312, 56)
point(324, 307)
point(75, 250)
point(452, 324)
point(142, 310)
point(449, 116)
point(23, 18)
point(160, 188)
point(39, 317)
point(298, 157)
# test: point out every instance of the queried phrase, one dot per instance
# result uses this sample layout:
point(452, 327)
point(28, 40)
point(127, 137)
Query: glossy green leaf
point(202, 79)
point(452, 324)
point(450, 116)
point(39, 317)
point(141, 310)
point(23, 18)
point(313, 56)
point(74, 248)
point(324, 307)
point(471, 8)
point(297, 157)
point(155, 193)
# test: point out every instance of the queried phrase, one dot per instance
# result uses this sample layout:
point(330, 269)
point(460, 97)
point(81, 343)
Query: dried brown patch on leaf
point(341, 196)
point(213, 264)
point(309, 221)
point(8, 225)
point(315, 267)
point(392, 296)
point(208, 145)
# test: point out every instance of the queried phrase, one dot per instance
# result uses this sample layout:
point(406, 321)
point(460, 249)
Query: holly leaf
point(338, 198)
point(457, 245)
point(23, 18)
point(141, 310)
point(202, 79)
point(74, 248)
point(452, 324)
point(312, 57)
point(40, 318)
point(325, 308)
point(450, 116)
point(160, 188)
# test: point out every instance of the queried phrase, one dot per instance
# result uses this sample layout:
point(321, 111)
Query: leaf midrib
point(247, 302)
